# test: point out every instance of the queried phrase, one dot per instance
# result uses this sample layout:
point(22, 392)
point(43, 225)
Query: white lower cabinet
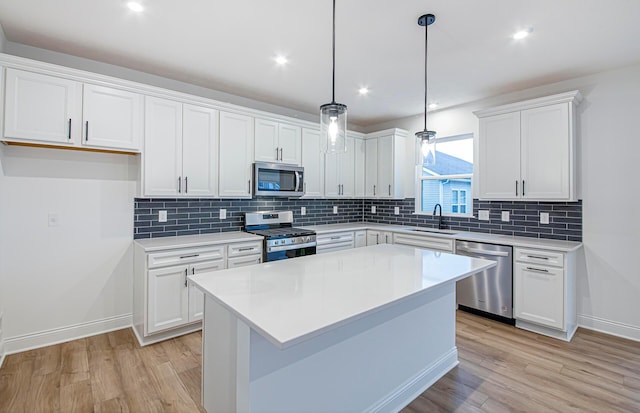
point(361, 238)
point(379, 237)
point(334, 241)
point(544, 292)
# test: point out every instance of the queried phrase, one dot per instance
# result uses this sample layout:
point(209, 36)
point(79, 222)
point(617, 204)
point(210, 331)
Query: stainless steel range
point(281, 239)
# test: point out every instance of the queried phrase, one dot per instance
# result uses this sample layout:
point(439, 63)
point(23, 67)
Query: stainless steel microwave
point(275, 179)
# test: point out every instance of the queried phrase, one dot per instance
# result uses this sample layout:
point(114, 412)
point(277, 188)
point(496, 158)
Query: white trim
point(2, 353)
point(573, 96)
point(610, 327)
point(60, 335)
point(415, 386)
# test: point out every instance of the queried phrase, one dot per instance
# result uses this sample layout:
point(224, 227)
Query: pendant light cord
point(426, 31)
point(333, 72)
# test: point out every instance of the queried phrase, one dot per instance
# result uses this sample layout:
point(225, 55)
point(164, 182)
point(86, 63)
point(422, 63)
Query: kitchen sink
point(434, 231)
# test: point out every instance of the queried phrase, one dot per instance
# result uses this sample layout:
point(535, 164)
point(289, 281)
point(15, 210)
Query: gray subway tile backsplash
point(200, 216)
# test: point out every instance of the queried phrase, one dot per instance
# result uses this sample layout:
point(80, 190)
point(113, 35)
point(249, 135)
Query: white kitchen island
point(367, 329)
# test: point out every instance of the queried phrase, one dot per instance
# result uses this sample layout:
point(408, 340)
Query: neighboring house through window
point(448, 181)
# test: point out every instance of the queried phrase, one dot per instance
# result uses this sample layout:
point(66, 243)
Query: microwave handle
point(297, 181)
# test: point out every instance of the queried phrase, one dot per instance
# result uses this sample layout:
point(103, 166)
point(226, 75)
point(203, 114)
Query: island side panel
point(400, 352)
point(225, 360)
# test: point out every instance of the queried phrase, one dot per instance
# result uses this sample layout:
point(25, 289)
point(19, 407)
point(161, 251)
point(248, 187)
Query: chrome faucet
point(440, 226)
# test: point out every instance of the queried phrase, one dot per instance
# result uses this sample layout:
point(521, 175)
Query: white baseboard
point(414, 387)
point(613, 328)
point(60, 335)
point(2, 352)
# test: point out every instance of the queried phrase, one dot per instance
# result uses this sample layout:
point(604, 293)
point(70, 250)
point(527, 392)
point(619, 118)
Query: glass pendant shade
point(333, 127)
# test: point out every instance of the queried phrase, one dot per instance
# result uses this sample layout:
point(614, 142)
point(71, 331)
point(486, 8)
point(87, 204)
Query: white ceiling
point(229, 45)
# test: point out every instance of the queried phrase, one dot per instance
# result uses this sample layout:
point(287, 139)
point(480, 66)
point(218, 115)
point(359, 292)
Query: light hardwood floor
point(502, 369)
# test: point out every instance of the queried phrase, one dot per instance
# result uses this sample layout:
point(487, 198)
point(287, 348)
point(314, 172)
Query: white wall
point(3, 42)
point(75, 278)
point(608, 150)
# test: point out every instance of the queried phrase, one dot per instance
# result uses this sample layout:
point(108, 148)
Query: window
point(447, 181)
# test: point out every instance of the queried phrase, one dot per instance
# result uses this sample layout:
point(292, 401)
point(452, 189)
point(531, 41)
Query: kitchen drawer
point(334, 238)
point(421, 241)
point(540, 257)
point(240, 249)
point(185, 256)
point(243, 261)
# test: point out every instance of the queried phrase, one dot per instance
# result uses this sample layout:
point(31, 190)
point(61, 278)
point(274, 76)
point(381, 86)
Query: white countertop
point(526, 242)
point(293, 300)
point(184, 241)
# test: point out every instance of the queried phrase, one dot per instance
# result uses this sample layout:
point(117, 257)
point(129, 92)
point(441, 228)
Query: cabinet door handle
point(389, 190)
point(305, 187)
point(186, 184)
point(377, 238)
point(189, 256)
point(516, 187)
point(538, 257)
point(280, 153)
point(374, 190)
point(249, 186)
point(69, 134)
point(186, 273)
point(523, 187)
point(537, 269)
point(179, 184)
point(276, 154)
point(337, 237)
point(86, 131)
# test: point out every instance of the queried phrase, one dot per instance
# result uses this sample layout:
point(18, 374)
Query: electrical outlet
point(335, 209)
point(483, 215)
point(373, 209)
point(544, 217)
point(162, 216)
point(54, 219)
point(396, 210)
point(303, 210)
point(223, 213)
point(505, 216)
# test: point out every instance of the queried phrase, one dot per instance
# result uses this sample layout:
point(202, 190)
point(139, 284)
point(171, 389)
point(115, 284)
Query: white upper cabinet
point(527, 149)
point(181, 143)
point(384, 164)
point(42, 108)
point(112, 118)
point(313, 163)
point(236, 155)
point(47, 109)
point(277, 142)
point(340, 172)
point(359, 145)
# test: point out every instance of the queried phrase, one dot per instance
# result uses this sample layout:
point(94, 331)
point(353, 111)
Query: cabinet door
point(236, 149)
point(332, 185)
point(200, 151)
point(312, 161)
point(42, 108)
point(385, 167)
point(371, 168)
point(112, 118)
point(163, 147)
point(290, 144)
point(545, 152)
point(361, 239)
point(196, 296)
point(348, 168)
point(359, 167)
point(499, 163)
point(266, 141)
point(167, 300)
point(539, 294)
point(373, 238)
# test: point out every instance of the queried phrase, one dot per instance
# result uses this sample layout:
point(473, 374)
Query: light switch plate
point(335, 209)
point(373, 209)
point(303, 210)
point(162, 216)
point(396, 210)
point(544, 217)
point(505, 216)
point(483, 215)
point(223, 213)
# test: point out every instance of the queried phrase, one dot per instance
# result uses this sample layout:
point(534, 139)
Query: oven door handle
point(297, 181)
point(291, 247)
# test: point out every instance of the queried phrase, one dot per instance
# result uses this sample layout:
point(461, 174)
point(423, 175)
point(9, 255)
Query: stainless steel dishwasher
point(490, 292)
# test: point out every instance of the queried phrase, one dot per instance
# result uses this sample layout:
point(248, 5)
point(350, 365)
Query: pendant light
point(333, 116)
point(427, 138)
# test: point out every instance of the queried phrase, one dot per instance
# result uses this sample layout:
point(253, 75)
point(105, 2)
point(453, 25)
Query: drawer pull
point(537, 270)
point(189, 256)
point(246, 249)
point(336, 237)
point(538, 257)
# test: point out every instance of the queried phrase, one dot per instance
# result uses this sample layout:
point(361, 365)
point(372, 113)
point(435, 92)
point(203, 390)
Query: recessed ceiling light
point(281, 60)
point(363, 91)
point(433, 105)
point(522, 34)
point(135, 6)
